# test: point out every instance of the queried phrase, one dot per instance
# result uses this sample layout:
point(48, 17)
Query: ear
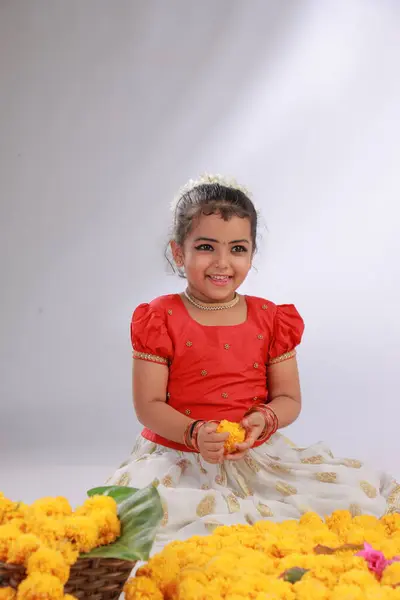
point(177, 253)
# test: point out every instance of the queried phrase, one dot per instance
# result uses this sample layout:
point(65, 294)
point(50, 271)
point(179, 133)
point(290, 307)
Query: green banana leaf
point(140, 513)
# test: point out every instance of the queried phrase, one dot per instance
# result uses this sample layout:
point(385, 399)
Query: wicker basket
point(90, 578)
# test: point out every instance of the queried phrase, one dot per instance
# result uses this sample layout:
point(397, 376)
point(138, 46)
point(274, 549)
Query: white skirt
point(275, 481)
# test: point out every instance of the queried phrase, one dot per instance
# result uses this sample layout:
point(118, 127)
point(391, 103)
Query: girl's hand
point(254, 425)
point(211, 444)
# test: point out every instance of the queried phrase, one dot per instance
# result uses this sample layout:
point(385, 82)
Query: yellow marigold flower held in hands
point(7, 593)
point(49, 561)
point(237, 435)
point(40, 586)
point(142, 588)
point(22, 548)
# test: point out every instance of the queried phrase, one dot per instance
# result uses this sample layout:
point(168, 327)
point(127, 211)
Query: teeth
point(219, 276)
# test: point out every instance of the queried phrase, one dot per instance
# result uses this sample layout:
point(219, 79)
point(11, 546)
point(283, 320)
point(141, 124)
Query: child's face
point(217, 256)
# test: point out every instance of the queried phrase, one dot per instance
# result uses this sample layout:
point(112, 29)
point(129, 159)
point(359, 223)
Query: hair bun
point(206, 179)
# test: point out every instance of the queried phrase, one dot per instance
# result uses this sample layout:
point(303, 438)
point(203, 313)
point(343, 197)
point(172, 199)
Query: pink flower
point(376, 560)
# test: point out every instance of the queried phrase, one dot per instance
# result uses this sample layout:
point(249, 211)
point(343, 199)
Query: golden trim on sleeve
point(282, 358)
point(150, 357)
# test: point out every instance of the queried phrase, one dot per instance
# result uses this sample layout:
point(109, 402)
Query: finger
point(213, 446)
point(218, 437)
point(236, 456)
point(213, 458)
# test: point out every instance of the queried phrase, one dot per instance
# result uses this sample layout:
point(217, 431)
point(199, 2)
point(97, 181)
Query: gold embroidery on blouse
point(282, 358)
point(328, 477)
point(206, 506)
point(368, 489)
point(260, 336)
point(264, 306)
point(224, 395)
point(204, 373)
point(169, 311)
point(226, 346)
point(150, 357)
point(189, 344)
point(188, 411)
point(255, 365)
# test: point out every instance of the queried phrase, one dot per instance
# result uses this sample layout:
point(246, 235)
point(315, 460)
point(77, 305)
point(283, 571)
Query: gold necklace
point(216, 306)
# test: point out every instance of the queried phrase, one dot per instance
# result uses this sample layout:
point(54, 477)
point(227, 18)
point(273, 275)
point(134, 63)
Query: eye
point(237, 249)
point(205, 248)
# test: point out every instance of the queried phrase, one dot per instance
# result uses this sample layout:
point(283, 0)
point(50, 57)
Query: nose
point(222, 259)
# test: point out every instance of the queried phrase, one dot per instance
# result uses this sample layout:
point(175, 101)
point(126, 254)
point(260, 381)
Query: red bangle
point(270, 418)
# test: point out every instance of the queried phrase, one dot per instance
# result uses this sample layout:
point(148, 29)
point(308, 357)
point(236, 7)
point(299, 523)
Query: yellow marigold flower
point(109, 526)
point(69, 597)
point(96, 503)
point(6, 507)
point(50, 561)
point(82, 531)
point(237, 434)
point(391, 523)
point(311, 519)
point(347, 592)
point(391, 575)
point(21, 548)
point(40, 586)
point(311, 590)
point(8, 535)
point(48, 529)
point(142, 588)
point(339, 521)
point(7, 593)
point(364, 579)
point(53, 507)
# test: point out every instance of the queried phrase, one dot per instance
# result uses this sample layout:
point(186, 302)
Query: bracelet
point(190, 434)
point(270, 418)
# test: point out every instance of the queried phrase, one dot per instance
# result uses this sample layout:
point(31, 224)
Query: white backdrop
point(106, 109)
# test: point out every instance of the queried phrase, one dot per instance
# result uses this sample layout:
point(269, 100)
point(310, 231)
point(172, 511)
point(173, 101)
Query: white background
point(107, 108)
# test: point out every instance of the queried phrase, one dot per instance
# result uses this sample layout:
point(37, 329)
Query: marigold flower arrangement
point(339, 558)
point(46, 538)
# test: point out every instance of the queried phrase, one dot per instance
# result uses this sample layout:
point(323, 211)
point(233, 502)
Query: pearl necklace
point(216, 306)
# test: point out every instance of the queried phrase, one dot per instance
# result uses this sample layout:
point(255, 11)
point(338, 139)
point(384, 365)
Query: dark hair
point(211, 199)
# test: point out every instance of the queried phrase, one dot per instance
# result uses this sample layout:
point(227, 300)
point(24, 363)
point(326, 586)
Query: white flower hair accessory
point(205, 179)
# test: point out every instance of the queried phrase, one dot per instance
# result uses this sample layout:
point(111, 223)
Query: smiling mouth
point(220, 279)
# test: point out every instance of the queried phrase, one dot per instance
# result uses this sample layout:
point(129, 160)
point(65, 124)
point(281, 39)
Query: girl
point(210, 354)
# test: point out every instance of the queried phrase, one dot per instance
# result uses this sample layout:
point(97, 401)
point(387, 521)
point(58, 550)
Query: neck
point(204, 300)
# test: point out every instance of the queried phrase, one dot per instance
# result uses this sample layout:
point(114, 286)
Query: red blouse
point(215, 372)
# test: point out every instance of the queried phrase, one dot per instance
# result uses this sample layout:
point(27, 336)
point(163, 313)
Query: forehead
point(214, 226)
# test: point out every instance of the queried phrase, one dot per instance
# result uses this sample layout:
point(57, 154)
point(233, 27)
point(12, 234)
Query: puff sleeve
point(149, 336)
point(288, 330)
